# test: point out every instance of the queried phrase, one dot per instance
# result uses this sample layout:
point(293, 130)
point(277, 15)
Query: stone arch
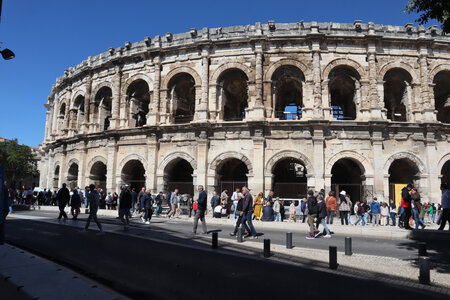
point(71, 162)
point(360, 160)
point(231, 65)
point(231, 154)
point(55, 165)
point(287, 62)
point(408, 155)
point(182, 69)
point(344, 62)
point(75, 96)
point(394, 65)
point(101, 85)
point(271, 163)
point(134, 78)
point(438, 68)
point(95, 159)
point(177, 155)
point(442, 162)
point(127, 159)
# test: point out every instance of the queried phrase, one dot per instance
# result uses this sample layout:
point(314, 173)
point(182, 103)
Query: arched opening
point(289, 178)
point(182, 97)
point(232, 174)
point(72, 176)
point(342, 86)
point(78, 116)
point(233, 94)
point(97, 175)
point(397, 83)
point(138, 95)
point(442, 96)
point(445, 173)
point(347, 175)
point(178, 175)
point(401, 172)
point(56, 178)
point(61, 116)
point(133, 174)
point(287, 82)
point(103, 106)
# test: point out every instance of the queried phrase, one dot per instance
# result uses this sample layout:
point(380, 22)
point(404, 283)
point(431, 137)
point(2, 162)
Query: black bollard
point(239, 235)
point(422, 249)
point(348, 246)
point(289, 240)
point(333, 257)
point(424, 270)
point(266, 247)
point(214, 240)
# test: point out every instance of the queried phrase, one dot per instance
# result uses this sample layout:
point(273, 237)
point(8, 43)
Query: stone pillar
point(50, 161)
point(202, 162)
point(87, 100)
point(318, 160)
point(202, 112)
point(68, 108)
point(63, 168)
point(48, 121)
point(111, 165)
point(373, 97)
point(258, 162)
point(153, 116)
point(83, 174)
point(414, 110)
point(432, 193)
point(320, 109)
point(378, 165)
point(116, 96)
point(55, 118)
point(426, 94)
point(152, 163)
point(257, 111)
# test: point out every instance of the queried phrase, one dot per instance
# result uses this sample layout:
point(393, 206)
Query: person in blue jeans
point(392, 212)
point(361, 212)
point(247, 212)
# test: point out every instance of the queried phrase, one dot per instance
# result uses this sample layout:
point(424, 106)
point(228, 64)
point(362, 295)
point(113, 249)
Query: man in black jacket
point(406, 204)
point(239, 220)
point(201, 209)
point(134, 197)
point(247, 212)
point(63, 197)
point(125, 206)
point(312, 214)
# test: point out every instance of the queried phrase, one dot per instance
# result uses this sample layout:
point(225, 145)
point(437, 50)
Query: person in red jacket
point(331, 203)
point(406, 204)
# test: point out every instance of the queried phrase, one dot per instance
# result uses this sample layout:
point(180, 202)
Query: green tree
point(438, 10)
point(18, 160)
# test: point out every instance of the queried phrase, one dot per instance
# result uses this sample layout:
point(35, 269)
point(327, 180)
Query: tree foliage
point(18, 161)
point(438, 10)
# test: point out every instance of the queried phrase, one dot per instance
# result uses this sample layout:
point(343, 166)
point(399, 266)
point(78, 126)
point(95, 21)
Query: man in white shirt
point(235, 200)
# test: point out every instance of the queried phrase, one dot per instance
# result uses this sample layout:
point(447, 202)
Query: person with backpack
point(331, 204)
point(311, 203)
point(344, 207)
point(147, 203)
point(360, 213)
point(321, 215)
point(75, 204)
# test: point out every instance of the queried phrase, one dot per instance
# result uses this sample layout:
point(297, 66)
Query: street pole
point(2, 205)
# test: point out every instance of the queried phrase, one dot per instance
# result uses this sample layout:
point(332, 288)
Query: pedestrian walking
point(93, 201)
point(63, 198)
point(125, 206)
point(344, 207)
point(375, 209)
point(258, 206)
point(321, 216)
point(247, 211)
point(201, 210)
point(138, 204)
point(303, 209)
point(360, 211)
point(276, 209)
point(331, 204)
point(235, 200)
point(292, 210)
point(134, 197)
point(384, 214)
point(445, 205)
point(75, 204)
point(147, 203)
point(417, 209)
point(215, 200)
point(159, 201)
point(406, 205)
point(174, 200)
point(392, 212)
point(239, 198)
point(312, 214)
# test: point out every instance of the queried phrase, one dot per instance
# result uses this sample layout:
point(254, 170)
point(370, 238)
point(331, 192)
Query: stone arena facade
point(287, 107)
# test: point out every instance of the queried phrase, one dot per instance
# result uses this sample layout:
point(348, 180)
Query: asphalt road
point(162, 261)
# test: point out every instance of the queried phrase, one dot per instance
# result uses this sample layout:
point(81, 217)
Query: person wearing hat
point(344, 207)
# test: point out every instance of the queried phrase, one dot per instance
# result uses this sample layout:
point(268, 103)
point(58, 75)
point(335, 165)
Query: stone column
point(55, 118)
point(48, 123)
point(50, 161)
point(378, 165)
point(116, 96)
point(432, 192)
point(320, 109)
point(111, 165)
point(153, 116)
point(258, 161)
point(63, 168)
point(66, 125)
point(414, 108)
point(152, 163)
point(426, 94)
point(202, 112)
point(257, 111)
point(373, 99)
point(202, 162)
point(82, 172)
point(318, 159)
point(87, 100)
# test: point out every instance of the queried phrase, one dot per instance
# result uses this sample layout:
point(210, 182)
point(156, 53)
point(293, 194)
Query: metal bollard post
point(424, 270)
point(266, 247)
point(348, 246)
point(214, 240)
point(289, 240)
point(333, 257)
point(422, 249)
point(239, 235)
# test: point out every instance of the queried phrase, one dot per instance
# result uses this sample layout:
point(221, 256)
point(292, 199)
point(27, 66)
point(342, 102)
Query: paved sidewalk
point(26, 276)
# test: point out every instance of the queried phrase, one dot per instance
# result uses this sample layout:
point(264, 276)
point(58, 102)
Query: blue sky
point(49, 36)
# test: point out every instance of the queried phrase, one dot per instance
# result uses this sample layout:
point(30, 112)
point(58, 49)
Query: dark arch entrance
point(402, 171)
point(182, 92)
point(72, 176)
point(133, 174)
point(138, 96)
point(56, 177)
point(342, 89)
point(442, 96)
point(178, 175)
point(234, 94)
point(232, 174)
point(395, 93)
point(347, 175)
point(445, 172)
point(97, 175)
point(287, 86)
point(289, 179)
